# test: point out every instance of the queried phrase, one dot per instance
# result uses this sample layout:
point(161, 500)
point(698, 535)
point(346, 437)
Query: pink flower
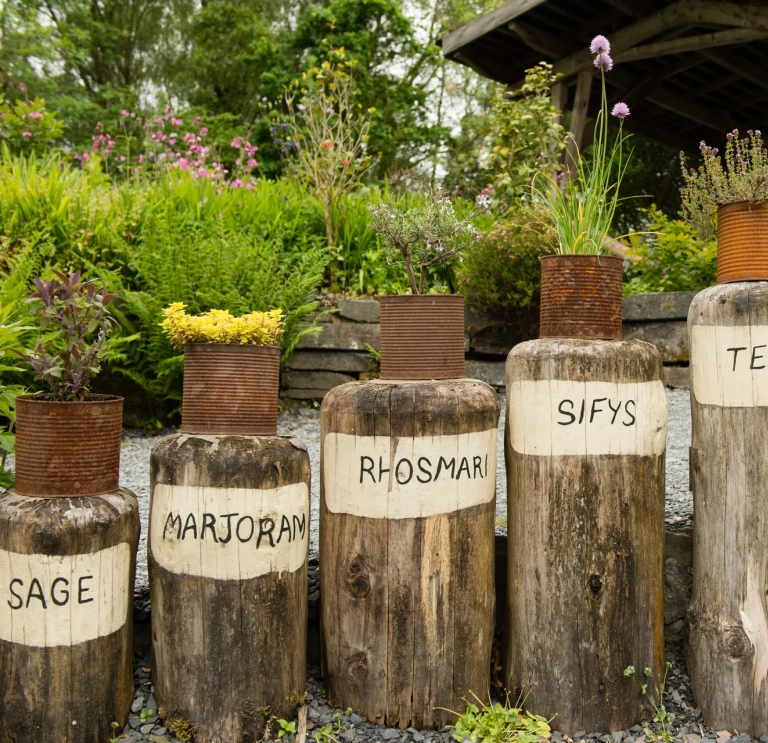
point(604, 62)
point(176, 122)
point(620, 110)
point(196, 121)
point(35, 115)
point(141, 159)
point(328, 144)
point(251, 163)
point(204, 131)
point(600, 45)
point(203, 172)
point(237, 183)
point(26, 134)
point(236, 142)
point(125, 112)
point(23, 88)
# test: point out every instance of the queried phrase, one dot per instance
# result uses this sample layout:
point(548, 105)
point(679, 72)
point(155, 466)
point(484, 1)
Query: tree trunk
point(585, 450)
point(728, 615)
point(66, 604)
point(407, 512)
point(228, 541)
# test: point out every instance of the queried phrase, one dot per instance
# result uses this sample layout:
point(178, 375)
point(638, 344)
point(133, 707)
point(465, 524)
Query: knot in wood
point(47, 542)
point(595, 583)
point(601, 688)
point(357, 582)
point(737, 644)
point(357, 666)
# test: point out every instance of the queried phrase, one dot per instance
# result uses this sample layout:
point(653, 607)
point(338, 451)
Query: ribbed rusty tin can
point(68, 448)
point(422, 336)
point(742, 242)
point(230, 389)
point(581, 297)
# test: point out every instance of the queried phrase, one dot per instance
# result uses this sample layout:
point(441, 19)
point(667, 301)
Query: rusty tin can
point(230, 389)
point(742, 242)
point(68, 448)
point(422, 336)
point(581, 297)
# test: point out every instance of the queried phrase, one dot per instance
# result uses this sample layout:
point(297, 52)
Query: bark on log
point(585, 450)
point(66, 603)
point(407, 510)
point(228, 541)
point(728, 614)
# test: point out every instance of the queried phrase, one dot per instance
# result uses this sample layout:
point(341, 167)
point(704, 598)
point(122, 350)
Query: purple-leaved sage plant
point(75, 321)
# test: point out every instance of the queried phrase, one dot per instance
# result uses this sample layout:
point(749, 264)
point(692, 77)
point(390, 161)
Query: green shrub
point(501, 276)
point(673, 258)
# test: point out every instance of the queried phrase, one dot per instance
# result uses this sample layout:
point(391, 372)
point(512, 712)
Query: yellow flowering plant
point(220, 326)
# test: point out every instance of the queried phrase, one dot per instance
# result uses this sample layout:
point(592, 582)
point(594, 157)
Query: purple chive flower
point(600, 45)
point(620, 110)
point(604, 62)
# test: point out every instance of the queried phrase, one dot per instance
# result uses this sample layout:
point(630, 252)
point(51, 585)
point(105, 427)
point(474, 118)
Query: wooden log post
point(407, 511)
point(728, 614)
point(585, 450)
point(228, 542)
point(66, 604)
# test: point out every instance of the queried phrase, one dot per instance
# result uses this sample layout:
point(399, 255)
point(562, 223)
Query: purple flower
point(604, 62)
point(600, 45)
point(620, 110)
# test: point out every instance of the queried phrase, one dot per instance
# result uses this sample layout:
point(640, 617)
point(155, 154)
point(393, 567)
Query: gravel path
point(304, 424)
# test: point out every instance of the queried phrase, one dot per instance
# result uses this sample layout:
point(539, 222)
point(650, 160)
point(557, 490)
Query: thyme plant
point(581, 206)
point(743, 177)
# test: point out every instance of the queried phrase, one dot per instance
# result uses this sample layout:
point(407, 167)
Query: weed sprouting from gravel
point(500, 723)
point(662, 716)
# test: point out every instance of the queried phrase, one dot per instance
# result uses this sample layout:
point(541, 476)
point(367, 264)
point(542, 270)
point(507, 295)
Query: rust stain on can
point(742, 242)
point(66, 449)
point(230, 389)
point(581, 297)
point(422, 336)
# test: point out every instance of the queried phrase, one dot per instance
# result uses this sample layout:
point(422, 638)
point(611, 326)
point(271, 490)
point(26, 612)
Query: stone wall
point(340, 353)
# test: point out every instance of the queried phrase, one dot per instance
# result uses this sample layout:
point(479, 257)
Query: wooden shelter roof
point(688, 69)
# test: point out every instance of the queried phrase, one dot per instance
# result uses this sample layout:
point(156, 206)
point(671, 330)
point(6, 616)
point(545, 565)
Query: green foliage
point(661, 715)
point(500, 723)
point(501, 275)
point(526, 136)
point(285, 728)
point(146, 714)
point(12, 330)
point(212, 251)
point(673, 258)
point(331, 731)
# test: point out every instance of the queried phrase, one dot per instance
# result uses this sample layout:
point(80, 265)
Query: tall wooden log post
point(66, 604)
point(585, 450)
point(728, 615)
point(228, 541)
point(407, 512)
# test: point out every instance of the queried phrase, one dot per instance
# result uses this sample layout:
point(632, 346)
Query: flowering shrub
point(581, 206)
point(166, 143)
point(220, 326)
point(76, 311)
point(744, 178)
point(26, 125)
point(427, 235)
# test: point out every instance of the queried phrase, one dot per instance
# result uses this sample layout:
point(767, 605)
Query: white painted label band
point(229, 533)
point(380, 477)
point(559, 418)
point(729, 365)
point(49, 601)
